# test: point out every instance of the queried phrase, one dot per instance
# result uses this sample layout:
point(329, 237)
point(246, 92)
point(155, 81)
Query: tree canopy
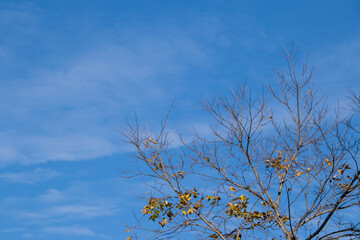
point(282, 165)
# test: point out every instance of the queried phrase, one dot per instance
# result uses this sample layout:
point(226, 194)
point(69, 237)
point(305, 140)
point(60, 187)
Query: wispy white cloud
point(64, 212)
point(30, 177)
point(72, 110)
point(9, 154)
point(52, 195)
point(70, 230)
point(20, 22)
point(338, 69)
point(81, 201)
point(27, 235)
point(73, 231)
point(66, 148)
point(12, 230)
point(18, 14)
point(84, 211)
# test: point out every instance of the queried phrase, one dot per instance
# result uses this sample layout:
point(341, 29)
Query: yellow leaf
point(329, 162)
point(232, 189)
point(243, 198)
point(184, 212)
point(299, 173)
point(190, 211)
point(127, 230)
point(207, 159)
point(309, 92)
point(164, 221)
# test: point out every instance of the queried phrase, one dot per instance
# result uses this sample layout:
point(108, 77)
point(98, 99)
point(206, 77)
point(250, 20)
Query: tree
point(278, 166)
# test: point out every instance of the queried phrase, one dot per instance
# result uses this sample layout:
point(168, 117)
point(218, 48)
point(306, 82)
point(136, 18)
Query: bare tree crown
point(260, 174)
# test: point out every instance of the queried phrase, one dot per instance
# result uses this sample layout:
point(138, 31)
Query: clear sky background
point(72, 71)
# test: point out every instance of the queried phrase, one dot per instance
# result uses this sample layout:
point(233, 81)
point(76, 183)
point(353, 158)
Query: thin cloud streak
point(70, 230)
point(30, 177)
point(81, 99)
point(52, 195)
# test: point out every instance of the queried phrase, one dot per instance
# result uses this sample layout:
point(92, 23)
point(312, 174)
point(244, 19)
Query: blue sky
point(72, 71)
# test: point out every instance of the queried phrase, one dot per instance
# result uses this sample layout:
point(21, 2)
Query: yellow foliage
point(190, 211)
point(198, 205)
point(298, 173)
point(215, 199)
point(329, 162)
point(185, 197)
point(164, 221)
point(181, 174)
point(243, 198)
